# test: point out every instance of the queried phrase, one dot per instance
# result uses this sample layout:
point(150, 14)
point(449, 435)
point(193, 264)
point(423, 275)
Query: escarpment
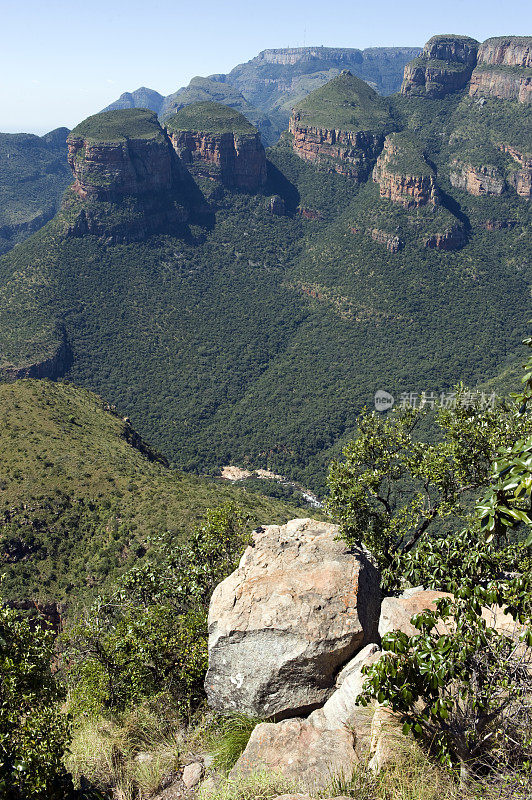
point(445, 66)
point(217, 142)
point(341, 127)
point(129, 181)
point(504, 69)
point(403, 175)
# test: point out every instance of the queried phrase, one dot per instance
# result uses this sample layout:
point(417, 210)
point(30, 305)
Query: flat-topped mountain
point(125, 158)
point(444, 66)
point(504, 69)
point(341, 126)
point(218, 142)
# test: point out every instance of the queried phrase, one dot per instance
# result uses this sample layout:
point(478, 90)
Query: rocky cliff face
point(50, 367)
point(341, 127)
point(504, 69)
point(124, 158)
point(239, 158)
point(110, 170)
point(349, 153)
point(445, 66)
point(485, 180)
point(403, 175)
point(218, 142)
point(520, 179)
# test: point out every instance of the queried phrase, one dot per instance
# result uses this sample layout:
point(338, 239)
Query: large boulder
point(396, 613)
point(330, 742)
point(299, 606)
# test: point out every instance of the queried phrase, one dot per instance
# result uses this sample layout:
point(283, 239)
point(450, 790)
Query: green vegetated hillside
point(258, 339)
point(346, 103)
point(82, 496)
point(33, 175)
point(209, 117)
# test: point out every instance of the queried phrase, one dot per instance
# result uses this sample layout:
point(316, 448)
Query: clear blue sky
point(61, 61)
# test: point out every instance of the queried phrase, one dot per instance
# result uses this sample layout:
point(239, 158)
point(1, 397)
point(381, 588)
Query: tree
point(34, 732)
point(150, 634)
point(392, 488)
point(462, 685)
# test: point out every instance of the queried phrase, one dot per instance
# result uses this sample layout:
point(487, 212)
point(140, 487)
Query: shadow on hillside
point(279, 184)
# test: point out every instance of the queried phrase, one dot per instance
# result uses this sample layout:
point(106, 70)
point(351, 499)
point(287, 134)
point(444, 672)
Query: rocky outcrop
point(403, 175)
point(276, 205)
point(298, 607)
point(445, 66)
point(504, 69)
point(53, 366)
point(239, 158)
point(392, 242)
point(331, 742)
point(520, 179)
point(341, 126)
point(479, 181)
point(125, 159)
point(109, 170)
point(218, 142)
point(349, 153)
point(453, 238)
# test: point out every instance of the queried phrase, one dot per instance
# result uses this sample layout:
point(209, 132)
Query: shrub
point(34, 732)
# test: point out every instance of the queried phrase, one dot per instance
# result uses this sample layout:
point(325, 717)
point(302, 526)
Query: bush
point(34, 732)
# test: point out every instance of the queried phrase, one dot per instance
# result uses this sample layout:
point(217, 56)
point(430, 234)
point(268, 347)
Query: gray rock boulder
point(298, 607)
point(330, 742)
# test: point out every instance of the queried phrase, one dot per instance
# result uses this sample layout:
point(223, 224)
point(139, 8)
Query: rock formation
point(124, 158)
point(218, 142)
point(330, 742)
point(301, 605)
point(341, 127)
point(504, 69)
point(452, 238)
point(51, 366)
point(392, 242)
point(445, 66)
point(479, 181)
point(520, 179)
point(403, 175)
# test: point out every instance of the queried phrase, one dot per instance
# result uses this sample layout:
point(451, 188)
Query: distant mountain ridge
point(265, 88)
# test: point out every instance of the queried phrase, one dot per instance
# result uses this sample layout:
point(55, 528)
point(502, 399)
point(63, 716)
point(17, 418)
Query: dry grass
point(132, 756)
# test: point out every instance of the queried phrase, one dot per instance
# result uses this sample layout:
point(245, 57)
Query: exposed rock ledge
point(445, 66)
point(504, 69)
point(349, 153)
point(403, 175)
point(485, 180)
point(51, 367)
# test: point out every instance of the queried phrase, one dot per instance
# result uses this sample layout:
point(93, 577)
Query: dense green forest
point(257, 338)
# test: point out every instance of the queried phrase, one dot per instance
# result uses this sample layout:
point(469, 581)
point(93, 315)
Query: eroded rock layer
point(445, 66)
point(504, 69)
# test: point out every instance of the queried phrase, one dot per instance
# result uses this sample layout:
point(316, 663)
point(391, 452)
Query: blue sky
point(61, 61)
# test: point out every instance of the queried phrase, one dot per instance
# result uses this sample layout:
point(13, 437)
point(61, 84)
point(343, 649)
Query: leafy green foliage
point(150, 635)
point(34, 731)
point(392, 488)
point(459, 685)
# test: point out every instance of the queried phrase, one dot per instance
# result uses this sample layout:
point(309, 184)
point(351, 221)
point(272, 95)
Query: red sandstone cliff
point(445, 66)
point(238, 159)
point(349, 153)
point(504, 69)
